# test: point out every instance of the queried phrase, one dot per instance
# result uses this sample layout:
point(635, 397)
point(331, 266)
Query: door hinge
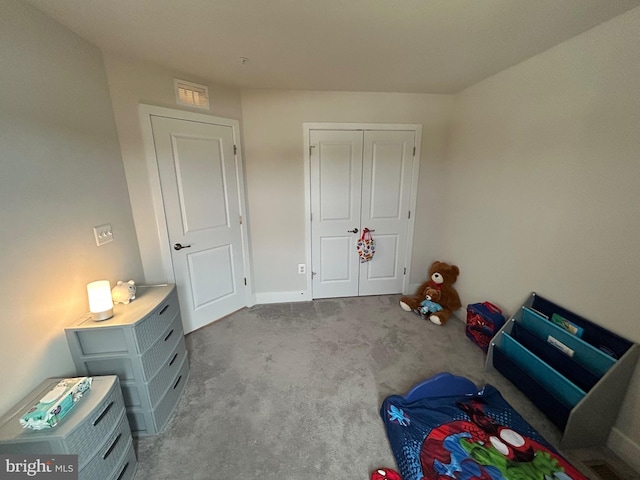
point(405, 271)
point(245, 281)
point(240, 219)
point(409, 216)
point(414, 151)
point(235, 150)
point(311, 217)
point(310, 147)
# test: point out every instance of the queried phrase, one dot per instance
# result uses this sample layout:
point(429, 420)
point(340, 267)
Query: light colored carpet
point(292, 391)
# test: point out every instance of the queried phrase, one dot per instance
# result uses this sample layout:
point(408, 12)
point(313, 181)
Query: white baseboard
point(625, 448)
point(282, 297)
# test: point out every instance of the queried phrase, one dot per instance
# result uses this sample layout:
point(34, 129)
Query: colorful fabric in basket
point(56, 403)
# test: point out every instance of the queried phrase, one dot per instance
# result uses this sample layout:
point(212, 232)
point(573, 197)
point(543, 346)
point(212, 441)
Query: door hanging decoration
point(366, 246)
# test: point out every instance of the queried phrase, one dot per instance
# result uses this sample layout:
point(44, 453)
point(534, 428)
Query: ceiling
point(421, 46)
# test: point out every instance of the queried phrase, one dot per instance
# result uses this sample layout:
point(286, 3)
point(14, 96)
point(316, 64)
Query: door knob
point(355, 230)
point(177, 246)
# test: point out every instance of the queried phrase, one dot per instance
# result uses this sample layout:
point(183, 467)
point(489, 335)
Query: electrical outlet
point(103, 234)
point(302, 268)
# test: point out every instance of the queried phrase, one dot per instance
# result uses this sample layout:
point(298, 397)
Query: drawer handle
point(164, 309)
point(177, 382)
point(104, 412)
point(126, 465)
point(173, 359)
point(113, 445)
point(168, 335)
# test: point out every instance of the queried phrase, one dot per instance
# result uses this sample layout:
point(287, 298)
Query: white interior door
point(359, 179)
point(386, 192)
point(336, 179)
point(200, 192)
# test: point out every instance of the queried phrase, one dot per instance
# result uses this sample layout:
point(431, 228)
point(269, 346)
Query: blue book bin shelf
point(574, 370)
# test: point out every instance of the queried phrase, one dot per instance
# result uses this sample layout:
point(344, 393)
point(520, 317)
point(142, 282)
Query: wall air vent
point(191, 94)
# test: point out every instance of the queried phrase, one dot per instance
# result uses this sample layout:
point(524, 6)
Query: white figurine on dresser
point(143, 344)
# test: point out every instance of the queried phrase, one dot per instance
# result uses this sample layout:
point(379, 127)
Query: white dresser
point(95, 429)
point(143, 344)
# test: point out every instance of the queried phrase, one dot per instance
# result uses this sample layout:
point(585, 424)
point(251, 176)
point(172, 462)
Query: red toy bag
point(483, 322)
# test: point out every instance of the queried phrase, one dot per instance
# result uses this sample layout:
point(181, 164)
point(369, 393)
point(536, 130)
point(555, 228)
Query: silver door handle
point(177, 246)
point(355, 230)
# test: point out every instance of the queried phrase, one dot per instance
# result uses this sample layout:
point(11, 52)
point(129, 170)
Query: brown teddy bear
point(441, 277)
point(430, 303)
point(432, 294)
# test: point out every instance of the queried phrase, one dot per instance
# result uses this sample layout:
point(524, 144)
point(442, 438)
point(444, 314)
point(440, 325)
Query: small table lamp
point(100, 302)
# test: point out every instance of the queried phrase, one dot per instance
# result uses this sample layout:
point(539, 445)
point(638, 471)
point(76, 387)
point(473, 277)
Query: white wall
point(274, 163)
point(543, 180)
point(271, 123)
point(132, 82)
point(539, 189)
point(61, 174)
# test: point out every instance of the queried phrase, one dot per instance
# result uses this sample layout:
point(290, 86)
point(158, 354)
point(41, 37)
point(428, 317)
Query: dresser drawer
point(149, 394)
point(81, 432)
point(90, 435)
point(169, 373)
point(126, 470)
point(153, 360)
point(145, 422)
point(134, 367)
point(110, 453)
point(150, 329)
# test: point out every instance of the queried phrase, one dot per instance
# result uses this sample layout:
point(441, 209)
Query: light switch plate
point(103, 234)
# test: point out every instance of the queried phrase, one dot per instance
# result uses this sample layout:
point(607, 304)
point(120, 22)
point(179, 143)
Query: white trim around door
point(146, 114)
point(308, 127)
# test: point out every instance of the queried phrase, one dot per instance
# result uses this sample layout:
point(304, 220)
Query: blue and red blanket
point(465, 437)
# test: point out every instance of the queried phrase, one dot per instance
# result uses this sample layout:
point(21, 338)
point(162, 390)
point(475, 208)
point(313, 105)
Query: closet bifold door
point(360, 179)
point(573, 370)
point(336, 191)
